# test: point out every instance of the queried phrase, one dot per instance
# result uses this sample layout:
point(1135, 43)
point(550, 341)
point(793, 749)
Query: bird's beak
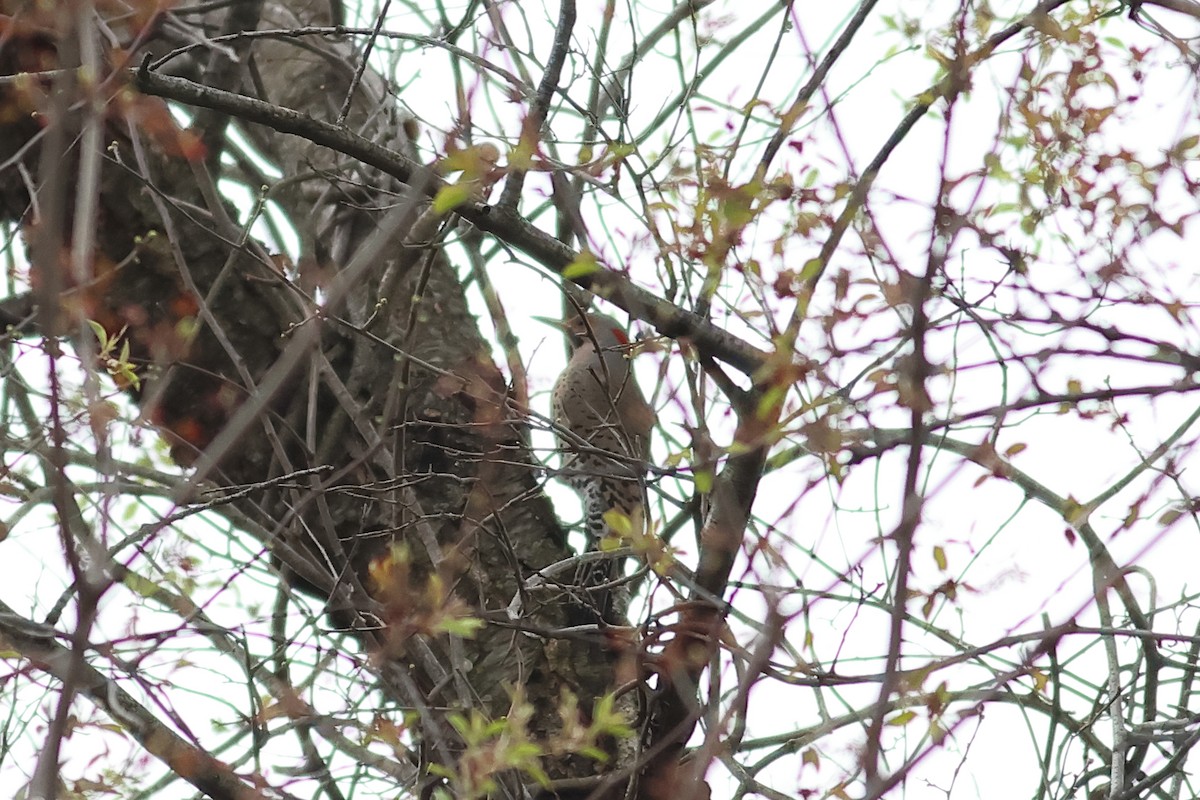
point(557, 324)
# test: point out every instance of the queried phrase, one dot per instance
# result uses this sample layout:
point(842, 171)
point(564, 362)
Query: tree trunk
point(359, 371)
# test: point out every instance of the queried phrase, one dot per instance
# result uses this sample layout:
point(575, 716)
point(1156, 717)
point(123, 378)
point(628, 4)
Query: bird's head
point(591, 329)
point(596, 329)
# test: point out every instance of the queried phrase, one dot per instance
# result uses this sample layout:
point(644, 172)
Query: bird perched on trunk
point(597, 400)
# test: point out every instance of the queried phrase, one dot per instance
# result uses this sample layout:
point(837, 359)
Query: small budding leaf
point(140, 585)
point(462, 627)
point(622, 150)
point(101, 334)
point(939, 557)
point(581, 267)
point(811, 269)
point(609, 544)
point(1169, 516)
point(619, 523)
point(607, 720)
point(451, 197)
point(1074, 512)
point(675, 459)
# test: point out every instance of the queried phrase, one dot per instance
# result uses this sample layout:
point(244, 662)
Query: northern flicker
point(598, 401)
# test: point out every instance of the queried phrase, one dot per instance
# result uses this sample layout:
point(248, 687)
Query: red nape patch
point(620, 334)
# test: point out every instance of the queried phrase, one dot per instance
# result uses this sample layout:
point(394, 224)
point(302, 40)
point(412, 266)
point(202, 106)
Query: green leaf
point(534, 771)
point(621, 150)
point(610, 543)
point(581, 267)
point(594, 753)
point(811, 269)
point(459, 722)
point(619, 523)
point(451, 197)
point(1169, 516)
point(939, 557)
point(101, 334)
point(1074, 512)
point(772, 398)
point(675, 459)
point(607, 720)
point(140, 585)
point(187, 328)
point(463, 627)
point(440, 771)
